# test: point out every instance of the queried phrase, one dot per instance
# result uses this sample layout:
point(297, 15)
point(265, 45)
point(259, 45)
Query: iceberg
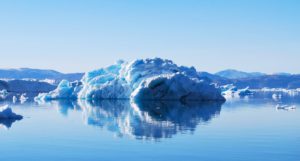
point(64, 90)
point(228, 90)
point(23, 98)
point(143, 79)
point(245, 92)
point(3, 94)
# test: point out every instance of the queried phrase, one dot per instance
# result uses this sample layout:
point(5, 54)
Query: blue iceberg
point(144, 79)
point(64, 90)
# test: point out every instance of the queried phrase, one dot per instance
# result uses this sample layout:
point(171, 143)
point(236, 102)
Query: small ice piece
point(7, 113)
point(227, 87)
point(276, 97)
point(291, 92)
point(14, 99)
point(244, 92)
point(228, 90)
point(23, 98)
point(3, 94)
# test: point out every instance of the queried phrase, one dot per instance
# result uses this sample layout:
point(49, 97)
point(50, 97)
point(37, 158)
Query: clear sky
point(77, 36)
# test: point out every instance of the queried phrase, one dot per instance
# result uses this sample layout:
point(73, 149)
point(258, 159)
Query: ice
point(65, 90)
point(175, 87)
point(228, 90)
point(143, 79)
point(14, 99)
point(245, 92)
point(105, 83)
point(291, 92)
point(3, 94)
point(23, 98)
point(7, 113)
point(227, 87)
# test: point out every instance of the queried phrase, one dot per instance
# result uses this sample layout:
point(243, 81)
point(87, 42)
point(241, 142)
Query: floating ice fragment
point(245, 92)
point(23, 98)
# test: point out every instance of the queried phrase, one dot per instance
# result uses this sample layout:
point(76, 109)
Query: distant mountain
point(269, 81)
point(22, 86)
point(16, 88)
point(235, 74)
point(288, 81)
point(214, 78)
point(39, 74)
point(282, 73)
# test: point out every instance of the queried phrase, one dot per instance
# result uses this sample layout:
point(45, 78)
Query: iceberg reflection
point(7, 123)
point(149, 119)
point(63, 106)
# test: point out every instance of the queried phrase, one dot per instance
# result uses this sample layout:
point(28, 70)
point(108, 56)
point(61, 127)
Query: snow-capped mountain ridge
point(236, 74)
point(38, 74)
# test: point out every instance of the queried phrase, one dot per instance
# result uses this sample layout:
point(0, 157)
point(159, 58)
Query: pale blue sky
point(73, 35)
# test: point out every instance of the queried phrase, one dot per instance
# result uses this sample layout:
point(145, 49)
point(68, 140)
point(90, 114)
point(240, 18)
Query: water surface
point(241, 129)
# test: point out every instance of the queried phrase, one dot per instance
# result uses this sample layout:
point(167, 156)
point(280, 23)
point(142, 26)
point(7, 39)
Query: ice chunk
point(154, 79)
point(65, 90)
point(105, 83)
point(228, 87)
point(3, 94)
point(139, 70)
point(23, 98)
point(14, 99)
point(245, 92)
point(175, 87)
point(229, 91)
point(7, 113)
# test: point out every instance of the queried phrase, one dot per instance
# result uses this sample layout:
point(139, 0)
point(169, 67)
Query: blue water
point(245, 129)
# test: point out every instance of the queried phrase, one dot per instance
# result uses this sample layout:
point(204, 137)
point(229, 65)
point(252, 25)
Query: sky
point(211, 35)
